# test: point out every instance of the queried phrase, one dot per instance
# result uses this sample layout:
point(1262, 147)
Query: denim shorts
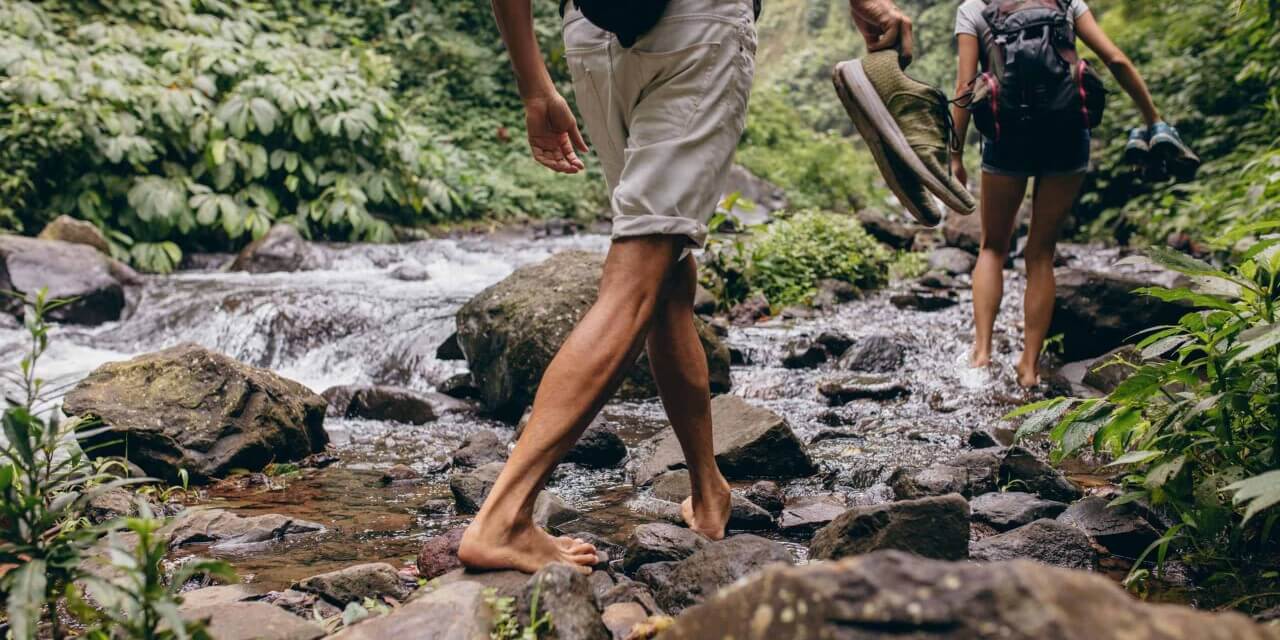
point(1050, 153)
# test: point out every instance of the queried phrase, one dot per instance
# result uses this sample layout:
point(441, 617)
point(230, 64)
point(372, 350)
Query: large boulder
point(354, 584)
point(891, 595)
point(456, 611)
point(510, 331)
point(678, 585)
point(253, 621)
point(381, 402)
point(187, 407)
point(1004, 510)
point(1097, 311)
point(1047, 541)
point(231, 532)
point(1121, 529)
point(935, 527)
point(750, 442)
point(68, 229)
point(281, 249)
point(66, 270)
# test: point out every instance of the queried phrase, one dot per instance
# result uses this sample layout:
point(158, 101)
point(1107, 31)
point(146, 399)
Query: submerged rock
point(678, 585)
point(253, 621)
point(934, 527)
point(187, 407)
point(95, 282)
point(353, 584)
point(281, 249)
point(1047, 541)
point(750, 442)
point(844, 389)
point(1006, 510)
point(231, 532)
point(380, 402)
point(456, 611)
point(511, 330)
point(889, 595)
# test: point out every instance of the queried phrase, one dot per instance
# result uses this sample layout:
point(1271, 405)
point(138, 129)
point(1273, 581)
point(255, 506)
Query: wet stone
point(874, 354)
point(749, 311)
point(989, 437)
point(660, 542)
point(439, 554)
point(677, 585)
point(1047, 541)
point(450, 349)
point(411, 273)
point(456, 611)
point(399, 474)
point(480, 448)
point(353, 584)
point(803, 353)
point(620, 618)
point(598, 448)
point(231, 532)
point(459, 386)
point(744, 515)
point(470, 488)
point(934, 527)
point(253, 621)
point(566, 596)
point(436, 506)
point(218, 594)
point(767, 495)
point(920, 301)
point(847, 388)
point(704, 302)
point(804, 515)
point(1006, 510)
point(302, 604)
point(627, 590)
point(836, 343)
point(1121, 530)
point(381, 402)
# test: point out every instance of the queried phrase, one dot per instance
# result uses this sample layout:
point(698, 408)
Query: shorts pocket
point(673, 86)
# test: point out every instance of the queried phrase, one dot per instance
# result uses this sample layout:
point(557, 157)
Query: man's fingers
point(886, 40)
point(566, 152)
point(578, 142)
point(905, 50)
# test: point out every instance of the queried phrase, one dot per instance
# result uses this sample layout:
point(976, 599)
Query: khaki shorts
point(665, 115)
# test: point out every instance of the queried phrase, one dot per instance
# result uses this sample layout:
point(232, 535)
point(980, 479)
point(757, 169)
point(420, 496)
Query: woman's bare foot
point(979, 360)
point(523, 547)
point(710, 514)
point(1028, 376)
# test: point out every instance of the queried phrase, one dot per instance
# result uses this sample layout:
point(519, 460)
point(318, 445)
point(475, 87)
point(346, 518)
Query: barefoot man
point(664, 95)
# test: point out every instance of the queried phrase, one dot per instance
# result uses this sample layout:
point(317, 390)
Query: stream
point(355, 323)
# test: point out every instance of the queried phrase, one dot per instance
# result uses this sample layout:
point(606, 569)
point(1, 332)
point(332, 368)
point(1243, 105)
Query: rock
point(353, 584)
point(963, 232)
point(764, 196)
point(67, 229)
point(216, 595)
point(379, 402)
point(802, 353)
point(704, 302)
point(479, 449)
point(1023, 468)
point(436, 506)
point(598, 448)
point(505, 584)
point(456, 611)
point(989, 436)
point(67, 270)
point(836, 343)
point(230, 532)
point(660, 542)
point(833, 292)
point(190, 408)
point(566, 596)
point(511, 330)
point(952, 261)
point(450, 349)
point(627, 590)
point(1047, 541)
point(677, 585)
point(875, 354)
point(400, 473)
point(674, 486)
point(459, 386)
point(750, 442)
point(281, 249)
point(974, 473)
point(411, 273)
point(891, 595)
point(934, 527)
point(116, 503)
point(767, 495)
point(920, 301)
point(305, 605)
point(1121, 530)
point(893, 232)
point(1003, 511)
point(253, 621)
point(844, 389)
point(936, 280)
point(804, 515)
point(472, 487)
point(1107, 371)
point(622, 617)
point(750, 311)
point(1097, 311)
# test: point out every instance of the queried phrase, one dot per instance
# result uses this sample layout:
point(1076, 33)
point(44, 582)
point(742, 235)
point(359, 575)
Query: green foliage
point(1197, 423)
point(785, 260)
point(908, 265)
point(506, 620)
point(1214, 69)
point(139, 602)
point(199, 123)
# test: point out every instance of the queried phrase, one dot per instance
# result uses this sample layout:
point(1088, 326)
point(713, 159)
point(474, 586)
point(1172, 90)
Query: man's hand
point(553, 133)
point(883, 26)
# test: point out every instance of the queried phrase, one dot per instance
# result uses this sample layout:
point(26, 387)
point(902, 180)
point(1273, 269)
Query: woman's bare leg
point(1001, 199)
point(1052, 200)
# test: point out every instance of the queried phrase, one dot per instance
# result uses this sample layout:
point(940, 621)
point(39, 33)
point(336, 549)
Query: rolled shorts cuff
point(628, 226)
point(996, 171)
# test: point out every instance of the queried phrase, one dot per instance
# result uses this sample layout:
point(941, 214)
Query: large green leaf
point(1257, 493)
point(26, 598)
point(1257, 340)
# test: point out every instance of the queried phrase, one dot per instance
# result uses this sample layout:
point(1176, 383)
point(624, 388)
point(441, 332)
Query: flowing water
point(355, 323)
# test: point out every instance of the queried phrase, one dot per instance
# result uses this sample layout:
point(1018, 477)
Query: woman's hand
point(553, 133)
point(957, 167)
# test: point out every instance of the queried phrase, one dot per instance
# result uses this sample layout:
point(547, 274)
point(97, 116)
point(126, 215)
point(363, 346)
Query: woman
point(1057, 158)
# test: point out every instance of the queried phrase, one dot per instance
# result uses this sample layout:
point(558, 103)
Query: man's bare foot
point(1028, 376)
point(524, 547)
point(711, 514)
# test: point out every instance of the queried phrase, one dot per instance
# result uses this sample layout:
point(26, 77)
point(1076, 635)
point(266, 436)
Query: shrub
point(1197, 423)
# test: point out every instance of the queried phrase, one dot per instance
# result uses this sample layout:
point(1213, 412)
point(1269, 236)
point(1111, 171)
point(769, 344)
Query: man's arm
point(883, 26)
point(553, 130)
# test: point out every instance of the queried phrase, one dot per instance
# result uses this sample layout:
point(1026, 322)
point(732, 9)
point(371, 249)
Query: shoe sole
point(883, 136)
point(1136, 155)
point(1181, 161)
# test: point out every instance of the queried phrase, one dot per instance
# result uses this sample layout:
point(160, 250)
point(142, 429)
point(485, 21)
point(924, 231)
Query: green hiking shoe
point(907, 126)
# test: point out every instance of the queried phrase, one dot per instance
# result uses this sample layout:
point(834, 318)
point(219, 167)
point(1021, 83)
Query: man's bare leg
point(679, 366)
point(580, 379)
